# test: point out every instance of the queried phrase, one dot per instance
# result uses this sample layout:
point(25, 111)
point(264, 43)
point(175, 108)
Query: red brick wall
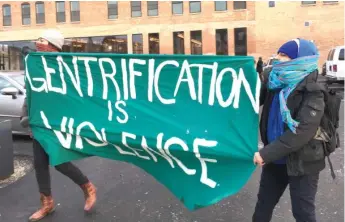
point(267, 28)
point(94, 22)
point(275, 26)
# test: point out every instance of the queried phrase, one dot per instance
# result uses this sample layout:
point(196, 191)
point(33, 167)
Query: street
point(126, 193)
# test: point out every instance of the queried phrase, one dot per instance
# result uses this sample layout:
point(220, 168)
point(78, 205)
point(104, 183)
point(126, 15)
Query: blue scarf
point(286, 76)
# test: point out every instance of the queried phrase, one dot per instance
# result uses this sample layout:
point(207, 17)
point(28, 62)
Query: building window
point(222, 42)
point(102, 44)
point(40, 13)
point(330, 2)
point(221, 5)
point(26, 20)
point(6, 15)
point(60, 12)
point(177, 7)
point(152, 8)
point(271, 4)
point(178, 38)
point(240, 5)
point(76, 45)
point(136, 8)
point(308, 2)
point(12, 56)
point(240, 41)
point(196, 42)
point(195, 6)
point(115, 44)
point(75, 11)
point(137, 43)
point(154, 43)
point(112, 9)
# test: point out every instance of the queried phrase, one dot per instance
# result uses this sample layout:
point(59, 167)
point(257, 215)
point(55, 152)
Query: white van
point(335, 65)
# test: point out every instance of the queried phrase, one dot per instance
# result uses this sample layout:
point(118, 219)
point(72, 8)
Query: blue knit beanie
point(290, 49)
point(298, 48)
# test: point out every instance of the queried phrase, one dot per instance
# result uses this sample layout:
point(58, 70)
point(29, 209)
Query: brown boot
point(90, 195)
point(47, 207)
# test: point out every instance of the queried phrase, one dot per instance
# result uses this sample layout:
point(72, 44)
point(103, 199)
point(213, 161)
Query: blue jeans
point(274, 180)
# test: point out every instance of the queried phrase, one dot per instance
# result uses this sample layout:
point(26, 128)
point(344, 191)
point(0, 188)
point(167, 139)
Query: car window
point(4, 83)
point(341, 55)
point(329, 55)
point(19, 79)
point(332, 55)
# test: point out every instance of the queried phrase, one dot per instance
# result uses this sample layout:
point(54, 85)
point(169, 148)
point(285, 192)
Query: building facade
point(169, 27)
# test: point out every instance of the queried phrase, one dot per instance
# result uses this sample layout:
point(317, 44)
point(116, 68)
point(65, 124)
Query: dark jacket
point(259, 66)
point(304, 154)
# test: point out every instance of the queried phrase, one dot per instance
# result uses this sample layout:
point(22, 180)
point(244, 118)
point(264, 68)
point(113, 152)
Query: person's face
point(43, 45)
point(283, 57)
point(42, 41)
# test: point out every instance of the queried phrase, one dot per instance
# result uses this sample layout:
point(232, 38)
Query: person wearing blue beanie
point(291, 115)
point(297, 48)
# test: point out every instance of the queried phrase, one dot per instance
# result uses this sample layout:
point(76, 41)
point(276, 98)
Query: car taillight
point(335, 68)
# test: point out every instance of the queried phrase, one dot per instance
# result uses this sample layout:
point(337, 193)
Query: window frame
point(184, 48)
point(142, 44)
point(152, 4)
point(156, 33)
point(22, 13)
point(112, 9)
point(135, 6)
point(191, 43)
point(236, 9)
point(71, 12)
point(246, 40)
point(57, 13)
point(215, 6)
point(271, 4)
point(308, 2)
point(226, 43)
point(172, 7)
point(330, 2)
point(8, 17)
point(190, 7)
point(44, 13)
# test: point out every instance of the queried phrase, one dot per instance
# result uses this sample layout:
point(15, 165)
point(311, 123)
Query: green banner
point(189, 121)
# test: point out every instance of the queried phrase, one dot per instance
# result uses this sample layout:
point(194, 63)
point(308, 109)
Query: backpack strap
point(329, 162)
point(313, 86)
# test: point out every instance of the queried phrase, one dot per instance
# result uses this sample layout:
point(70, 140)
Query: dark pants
point(41, 164)
point(274, 180)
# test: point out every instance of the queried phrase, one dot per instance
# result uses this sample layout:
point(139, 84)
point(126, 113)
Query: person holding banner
point(293, 106)
point(52, 41)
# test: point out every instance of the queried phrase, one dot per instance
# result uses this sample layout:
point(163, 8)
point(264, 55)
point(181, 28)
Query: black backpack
point(330, 123)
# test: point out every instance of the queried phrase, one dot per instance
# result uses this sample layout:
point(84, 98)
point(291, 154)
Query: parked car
point(335, 65)
point(12, 95)
point(324, 70)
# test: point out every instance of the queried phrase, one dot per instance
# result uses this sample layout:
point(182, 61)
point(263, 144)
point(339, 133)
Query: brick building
point(165, 27)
